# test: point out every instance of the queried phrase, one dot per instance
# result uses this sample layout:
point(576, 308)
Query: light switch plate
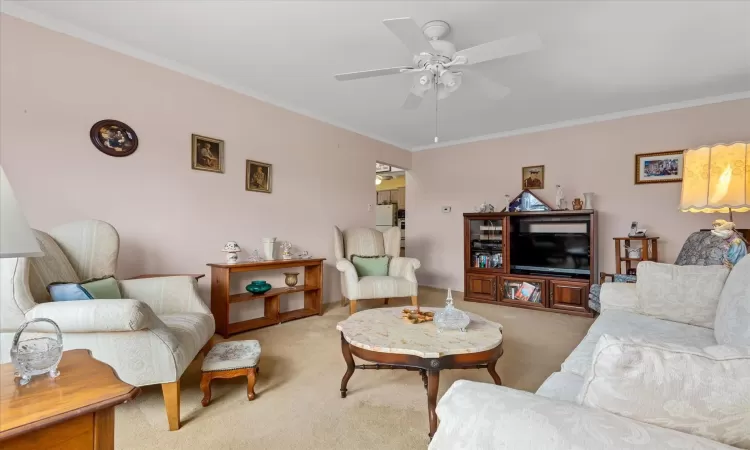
point(446, 209)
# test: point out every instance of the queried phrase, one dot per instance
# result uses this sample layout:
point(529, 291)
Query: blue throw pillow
point(98, 288)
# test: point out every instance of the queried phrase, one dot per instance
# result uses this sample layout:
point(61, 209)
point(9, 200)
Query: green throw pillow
point(371, 266)
point(106, 288)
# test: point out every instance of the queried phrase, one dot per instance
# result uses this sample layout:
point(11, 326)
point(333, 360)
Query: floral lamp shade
point(716, 179)
point(16, 238)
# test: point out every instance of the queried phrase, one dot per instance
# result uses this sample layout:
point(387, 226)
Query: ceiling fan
point(436, 61)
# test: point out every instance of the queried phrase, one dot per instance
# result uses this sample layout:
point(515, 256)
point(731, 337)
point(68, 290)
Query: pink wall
point(597, 157)
point(171, 218)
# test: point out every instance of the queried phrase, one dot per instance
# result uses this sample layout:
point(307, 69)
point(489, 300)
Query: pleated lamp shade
point(16, 238)
point(716, 179)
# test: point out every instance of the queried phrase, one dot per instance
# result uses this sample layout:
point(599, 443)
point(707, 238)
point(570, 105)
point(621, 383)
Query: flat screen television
point(545, 251)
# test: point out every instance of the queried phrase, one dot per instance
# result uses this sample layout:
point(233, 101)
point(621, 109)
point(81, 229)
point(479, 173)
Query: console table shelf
point(221, 298)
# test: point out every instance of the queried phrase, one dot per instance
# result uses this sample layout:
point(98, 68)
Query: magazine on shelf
point(528, 292)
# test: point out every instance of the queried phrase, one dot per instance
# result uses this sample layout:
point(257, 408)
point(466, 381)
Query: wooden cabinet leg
point(251, 383)
point(385, 301)
point(104, 429)
point(352, 306)
point(171, 393)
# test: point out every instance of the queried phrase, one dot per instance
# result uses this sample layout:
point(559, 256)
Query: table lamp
point(16, 238)
point(716, 179)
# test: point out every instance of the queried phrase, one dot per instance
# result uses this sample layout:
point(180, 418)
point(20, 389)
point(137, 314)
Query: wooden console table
point(73, 411)
point(221, 298)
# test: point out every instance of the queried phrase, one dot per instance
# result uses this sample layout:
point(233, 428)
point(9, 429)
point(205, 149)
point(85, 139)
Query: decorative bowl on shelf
point(258, 287)
point(291, 279)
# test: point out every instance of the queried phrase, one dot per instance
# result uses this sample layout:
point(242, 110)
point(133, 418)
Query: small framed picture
point(258, 176)
point(208, 154)
point(661, 167)
point(113, 138)
point(533, 177)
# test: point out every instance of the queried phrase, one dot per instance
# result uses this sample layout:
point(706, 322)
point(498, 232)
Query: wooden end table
point(381, 336)
point(73, 411)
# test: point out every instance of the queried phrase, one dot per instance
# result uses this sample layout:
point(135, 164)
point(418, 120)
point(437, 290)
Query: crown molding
point(593, 119)
point(13, 8)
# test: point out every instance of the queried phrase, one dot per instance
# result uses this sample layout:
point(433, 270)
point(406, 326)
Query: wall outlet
point(446, 209)
point(369, 206)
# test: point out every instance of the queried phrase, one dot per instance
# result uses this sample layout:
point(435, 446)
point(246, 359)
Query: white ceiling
point(599, 60)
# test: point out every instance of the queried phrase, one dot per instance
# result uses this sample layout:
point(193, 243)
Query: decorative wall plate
point(114, 138)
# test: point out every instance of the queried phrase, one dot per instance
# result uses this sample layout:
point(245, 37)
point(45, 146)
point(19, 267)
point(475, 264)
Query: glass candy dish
point(450, 318)
point(36, 356)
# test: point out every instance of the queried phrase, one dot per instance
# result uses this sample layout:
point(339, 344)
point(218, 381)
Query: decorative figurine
point(490, 208)
point(560, 203)
point(722, 228)
point(255, 256)
point(232, 250)
point(507, 203)
point(577, 204)
point(36, 356)
point(304, 255)
point(286, 250)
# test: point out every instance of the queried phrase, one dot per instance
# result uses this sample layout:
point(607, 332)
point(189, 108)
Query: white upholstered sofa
point(401, 280)
point(148, 337)
point(665, 366)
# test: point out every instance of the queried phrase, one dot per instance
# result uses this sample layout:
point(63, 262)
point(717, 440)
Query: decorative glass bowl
point(258, 287)
point(36, 356)
point(451, 318)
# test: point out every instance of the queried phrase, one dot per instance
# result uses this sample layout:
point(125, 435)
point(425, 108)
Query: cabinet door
point(384, 197)
point(402, 198)
point(568, 294)
point(483, 287)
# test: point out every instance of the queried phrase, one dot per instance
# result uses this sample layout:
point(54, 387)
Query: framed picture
point(533, 177)
point(258, 176)
point(208, 154)
point(662, 167)
point(113, 138)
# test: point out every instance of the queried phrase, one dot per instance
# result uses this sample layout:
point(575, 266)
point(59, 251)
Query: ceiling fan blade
point(412, 101)
point(501, 48)
point(407, 30)
point(371, 73)
point(493, 89)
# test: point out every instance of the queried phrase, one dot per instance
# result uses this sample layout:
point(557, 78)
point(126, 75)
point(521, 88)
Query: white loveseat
point(665, 366)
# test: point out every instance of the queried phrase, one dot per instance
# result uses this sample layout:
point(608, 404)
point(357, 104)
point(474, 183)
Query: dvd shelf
point(486, 244)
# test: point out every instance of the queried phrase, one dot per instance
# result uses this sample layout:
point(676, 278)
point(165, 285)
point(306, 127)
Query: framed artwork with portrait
point(532, 177)
point(113, 138)
point(661, 167)
point(208, 154)
point(258, 176)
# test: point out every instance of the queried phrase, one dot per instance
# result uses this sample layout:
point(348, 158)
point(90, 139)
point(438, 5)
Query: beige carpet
point(298, 404)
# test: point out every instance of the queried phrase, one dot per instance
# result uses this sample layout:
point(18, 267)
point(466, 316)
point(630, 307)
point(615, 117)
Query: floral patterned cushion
point(232, 355)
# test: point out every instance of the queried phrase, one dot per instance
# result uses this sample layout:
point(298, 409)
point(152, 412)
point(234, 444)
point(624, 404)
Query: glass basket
point(451, 318)
point(36, 356)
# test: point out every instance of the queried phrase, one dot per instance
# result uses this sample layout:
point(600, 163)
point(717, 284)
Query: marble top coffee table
point(383, 337)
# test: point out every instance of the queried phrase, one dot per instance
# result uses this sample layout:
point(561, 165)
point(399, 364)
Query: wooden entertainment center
point(497, 254)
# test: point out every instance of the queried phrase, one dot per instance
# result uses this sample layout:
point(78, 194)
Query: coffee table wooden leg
point(349, 365)
point(493, 373)
point(433, 379)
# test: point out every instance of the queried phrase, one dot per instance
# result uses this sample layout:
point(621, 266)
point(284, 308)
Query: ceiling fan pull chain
point(436, 107)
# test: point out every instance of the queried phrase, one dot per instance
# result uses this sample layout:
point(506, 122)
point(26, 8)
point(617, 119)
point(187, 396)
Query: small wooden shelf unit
point(488, 257)
point(221, 298)
point(649, 252)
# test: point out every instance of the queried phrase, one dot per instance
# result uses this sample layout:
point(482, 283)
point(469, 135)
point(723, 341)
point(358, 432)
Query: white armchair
point(149, 337)
point(401, 280)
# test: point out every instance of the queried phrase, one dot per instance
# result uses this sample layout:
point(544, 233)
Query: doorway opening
point(390, 199)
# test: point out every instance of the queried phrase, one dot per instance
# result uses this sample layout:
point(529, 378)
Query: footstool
point(228, 360)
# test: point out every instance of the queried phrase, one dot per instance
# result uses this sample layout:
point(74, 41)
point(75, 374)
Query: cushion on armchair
point(371, 266)
point(687, 294)
point(705, 392)
point(103, 288)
